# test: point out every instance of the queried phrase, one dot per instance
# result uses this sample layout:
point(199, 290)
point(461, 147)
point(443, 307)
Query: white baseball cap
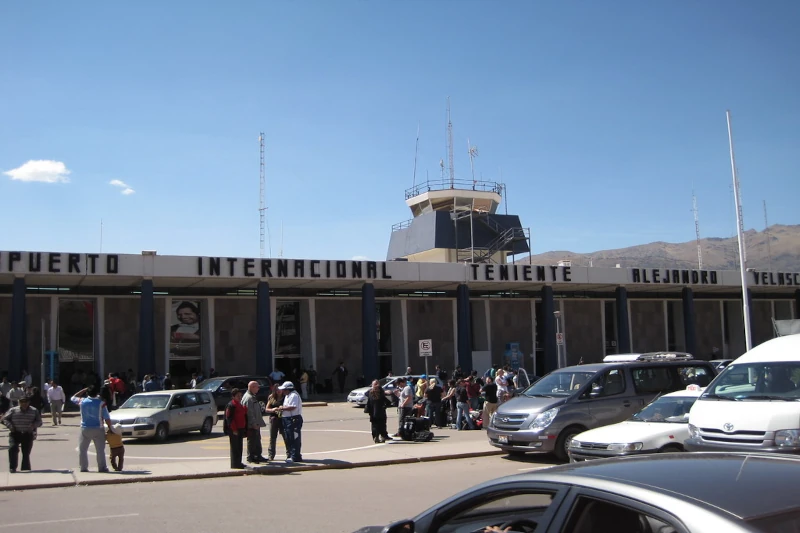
point(287, 385)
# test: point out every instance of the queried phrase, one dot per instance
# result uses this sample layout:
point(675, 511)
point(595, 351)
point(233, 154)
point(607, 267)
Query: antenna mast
point(769, 238)
point(473, 153)
point(450, 147)
point(416, 152)
point(697, 232)
point(262, 202)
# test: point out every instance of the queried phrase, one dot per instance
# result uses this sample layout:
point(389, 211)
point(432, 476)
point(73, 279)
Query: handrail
point(402, 225)
point(446, 184)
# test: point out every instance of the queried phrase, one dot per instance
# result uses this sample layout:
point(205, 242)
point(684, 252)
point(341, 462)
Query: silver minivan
point(159, 414)
point(547, 415)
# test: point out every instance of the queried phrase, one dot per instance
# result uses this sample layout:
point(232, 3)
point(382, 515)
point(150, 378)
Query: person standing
point(312, 379)
point(462, 406)
point(377, 402)
point(21, 422)
point(405, 403)
point(303, 384)
point(276, 376)
point(292, 419)
point(255, 421)
point(433, 402)
point(236, 420)
point(116, 447)
point(167, 382)
point(16, 393)
point(341, 375)
point(5, 388)
point(27, 378)
point(94, 413)
point(274, 401)
point(490, 405)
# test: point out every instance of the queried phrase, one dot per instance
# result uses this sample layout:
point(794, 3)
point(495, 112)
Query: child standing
point(114, 440)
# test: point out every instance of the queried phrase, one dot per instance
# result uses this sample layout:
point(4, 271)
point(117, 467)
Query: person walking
point(377, 402)
point(292, 419)
point(274, 401)
point(56, 397)
point(16, 393)
point(236, 422)
point(255, 421)
point(94, 413)
point(341, 375)
point(21, 422)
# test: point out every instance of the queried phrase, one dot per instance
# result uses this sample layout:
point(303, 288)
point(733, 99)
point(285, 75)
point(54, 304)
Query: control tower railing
point(446, 184)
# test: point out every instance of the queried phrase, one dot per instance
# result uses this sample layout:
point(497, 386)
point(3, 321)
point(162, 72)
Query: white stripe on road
point(69, 520)
point(532, 468)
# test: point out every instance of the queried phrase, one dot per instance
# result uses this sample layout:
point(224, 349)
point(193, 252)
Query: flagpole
point(740, 234)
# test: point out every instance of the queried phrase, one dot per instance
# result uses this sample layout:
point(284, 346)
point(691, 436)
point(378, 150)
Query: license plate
point(502, 439)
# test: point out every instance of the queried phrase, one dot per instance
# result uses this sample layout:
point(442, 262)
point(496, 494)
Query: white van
point(754, 404)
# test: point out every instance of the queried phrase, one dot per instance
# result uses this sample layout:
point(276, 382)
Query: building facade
point(65, 313)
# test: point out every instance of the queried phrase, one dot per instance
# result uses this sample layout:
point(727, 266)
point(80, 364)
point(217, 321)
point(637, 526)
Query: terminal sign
point(426, 348)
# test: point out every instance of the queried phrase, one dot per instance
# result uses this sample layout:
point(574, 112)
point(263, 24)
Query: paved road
point(325, 501)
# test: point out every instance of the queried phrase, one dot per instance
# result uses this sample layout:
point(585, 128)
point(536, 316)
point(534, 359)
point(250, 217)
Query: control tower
point(457, 221)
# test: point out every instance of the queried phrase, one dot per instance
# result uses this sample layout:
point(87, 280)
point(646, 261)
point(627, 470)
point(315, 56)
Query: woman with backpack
point(235, 427)
point(377, 402)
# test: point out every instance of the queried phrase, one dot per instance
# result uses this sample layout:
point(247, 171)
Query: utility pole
point(697, 232)
point(769, 238)
point(450, 146)
point(740, 232)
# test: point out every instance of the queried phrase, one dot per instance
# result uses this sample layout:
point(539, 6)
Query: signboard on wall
point(426, 348)
point(513, 355)
point(184, 331)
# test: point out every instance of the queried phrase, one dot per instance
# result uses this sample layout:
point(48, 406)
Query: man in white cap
point(292, 419)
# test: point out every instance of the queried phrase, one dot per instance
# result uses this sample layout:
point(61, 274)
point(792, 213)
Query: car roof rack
point(650, 356)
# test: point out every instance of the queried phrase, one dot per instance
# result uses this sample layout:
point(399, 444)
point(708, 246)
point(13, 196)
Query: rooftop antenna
point(450, 147)
point(697, 232)
point(504, 188)
point(441, 167)
point(769, 238)
point(740, 231)
point(262, 202)
point(473, 153)
point(416, 152)
point(101, 235)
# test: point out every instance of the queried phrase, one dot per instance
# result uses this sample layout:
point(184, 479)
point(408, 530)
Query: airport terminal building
point(441, 282)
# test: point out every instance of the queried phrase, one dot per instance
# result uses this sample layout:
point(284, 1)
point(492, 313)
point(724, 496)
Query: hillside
point(718, 254)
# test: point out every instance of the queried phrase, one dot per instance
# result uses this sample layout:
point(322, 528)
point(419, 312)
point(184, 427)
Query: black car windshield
point(146, 401)
point(674, 409)
point(564, 383)
point(210, 384)
point(757, 381)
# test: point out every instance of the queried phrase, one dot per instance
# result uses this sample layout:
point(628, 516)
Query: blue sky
point(601, 115)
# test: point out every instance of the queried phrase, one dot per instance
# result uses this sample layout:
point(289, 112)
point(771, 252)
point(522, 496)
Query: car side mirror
point(597, 391)
point(404, 526)
point(174, 406)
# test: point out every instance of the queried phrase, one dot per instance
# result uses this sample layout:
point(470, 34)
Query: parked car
point(359, 396)
point(720, 364)
point(160, 414)
point(661, 427)
point(673, 493)
point(574, 399)
point(754, 404)
point(221, 387)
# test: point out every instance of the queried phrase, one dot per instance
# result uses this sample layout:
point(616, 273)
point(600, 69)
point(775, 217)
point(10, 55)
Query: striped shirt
point(17, 420)
point(93, 411)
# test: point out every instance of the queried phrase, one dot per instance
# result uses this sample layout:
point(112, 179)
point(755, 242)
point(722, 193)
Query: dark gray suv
point(574, 399)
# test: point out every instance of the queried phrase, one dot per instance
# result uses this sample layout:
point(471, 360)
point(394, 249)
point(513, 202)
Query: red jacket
point(236, 414)
point(117, 385)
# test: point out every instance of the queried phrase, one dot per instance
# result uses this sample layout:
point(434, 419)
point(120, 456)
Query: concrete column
point(369, 333)
point(689, 322)
point(312, 331)
point(100, 317)
point(147, 339)
point(264, 327)
point(210, 344)
point(623, 324)
point(797, 303)
point(399, 337)
point(464, 330)
point(18, 344)
point(549, 330)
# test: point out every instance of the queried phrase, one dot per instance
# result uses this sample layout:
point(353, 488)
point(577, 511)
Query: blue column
point(147, 337)
point(549, 330)
point(623, 324)
point(18, 344)
point(263, 330)
point(369, 333)
point(464, 324)
point(797, 303)
point(689, 330)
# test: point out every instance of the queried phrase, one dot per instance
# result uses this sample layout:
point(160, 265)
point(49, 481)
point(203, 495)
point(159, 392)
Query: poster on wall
point(513, 355)
point(184, 337)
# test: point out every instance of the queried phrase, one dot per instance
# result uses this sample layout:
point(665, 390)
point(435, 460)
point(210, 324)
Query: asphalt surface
point(329, 501)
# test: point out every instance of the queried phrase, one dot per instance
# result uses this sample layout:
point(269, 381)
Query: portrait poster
point(513, 355)
point(184, 336)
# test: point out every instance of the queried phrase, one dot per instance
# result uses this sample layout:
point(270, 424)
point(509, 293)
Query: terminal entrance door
point(75, 347)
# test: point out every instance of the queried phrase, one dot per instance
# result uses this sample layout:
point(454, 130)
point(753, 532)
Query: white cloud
point(360, 258)
point(41, 170)
point(126, 189)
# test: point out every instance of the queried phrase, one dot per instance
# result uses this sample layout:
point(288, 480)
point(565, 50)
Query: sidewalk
point(395, 452)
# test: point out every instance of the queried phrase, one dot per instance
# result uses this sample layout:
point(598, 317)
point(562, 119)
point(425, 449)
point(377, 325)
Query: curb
point(258, 471)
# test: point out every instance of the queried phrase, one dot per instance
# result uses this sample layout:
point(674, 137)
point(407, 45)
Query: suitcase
point(423, 436)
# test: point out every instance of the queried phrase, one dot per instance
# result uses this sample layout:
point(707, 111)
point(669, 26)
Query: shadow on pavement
point(545, 459)
point(45, 471)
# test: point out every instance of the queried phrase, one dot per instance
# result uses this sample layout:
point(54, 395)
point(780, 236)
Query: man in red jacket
point(236, 422)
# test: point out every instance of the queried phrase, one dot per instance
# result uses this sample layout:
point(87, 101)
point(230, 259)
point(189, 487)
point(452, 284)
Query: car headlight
point(544, 419)
point(693, 431)
point(574, 443)
point(625, 447)
point(787, 437)
point(144, 420)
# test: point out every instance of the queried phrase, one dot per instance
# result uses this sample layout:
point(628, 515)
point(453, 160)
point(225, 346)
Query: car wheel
point(208, 425)
point(672, 448)
point(162, 432)
point(562, 443)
